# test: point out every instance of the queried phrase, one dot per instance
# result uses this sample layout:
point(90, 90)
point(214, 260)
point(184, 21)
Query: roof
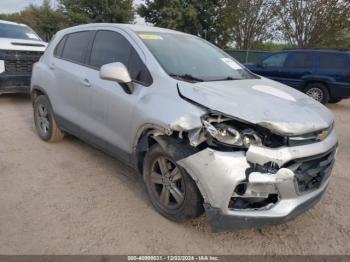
point(132, 27)
point(10, 23)
point(336, 50)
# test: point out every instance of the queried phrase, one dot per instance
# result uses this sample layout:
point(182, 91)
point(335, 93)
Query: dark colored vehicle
point(323, 74)
point(20, 48)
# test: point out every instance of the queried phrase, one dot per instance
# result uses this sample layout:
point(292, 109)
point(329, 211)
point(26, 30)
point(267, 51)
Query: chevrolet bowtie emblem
point(323, 135)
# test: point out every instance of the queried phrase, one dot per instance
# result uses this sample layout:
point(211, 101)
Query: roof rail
point(317, 49)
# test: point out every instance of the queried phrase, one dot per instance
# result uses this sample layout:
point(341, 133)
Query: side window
point(276, 60)
point(332, 61)
point(299, 60)
point(138, 71)
point(59, 47)
point(75, 46)
point(109, 47)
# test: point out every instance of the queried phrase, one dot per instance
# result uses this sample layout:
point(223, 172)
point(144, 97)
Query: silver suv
point(205, 133)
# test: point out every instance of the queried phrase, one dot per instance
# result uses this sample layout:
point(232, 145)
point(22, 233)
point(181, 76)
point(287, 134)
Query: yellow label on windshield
point(150, 37)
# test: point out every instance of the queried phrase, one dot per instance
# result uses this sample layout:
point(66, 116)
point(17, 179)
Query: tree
point(89, 11)
point(197, 17)
point(42, 19)
point(251, 22)
point(307, 23)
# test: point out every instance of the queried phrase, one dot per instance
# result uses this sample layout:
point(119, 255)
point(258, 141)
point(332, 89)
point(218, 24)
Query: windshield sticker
point(231, 63)
point(150, 37)
point(32, 36)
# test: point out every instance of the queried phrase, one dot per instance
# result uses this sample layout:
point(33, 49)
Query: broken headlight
point(226, 133)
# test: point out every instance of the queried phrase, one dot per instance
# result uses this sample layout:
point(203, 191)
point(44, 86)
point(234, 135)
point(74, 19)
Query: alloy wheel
point(42, 118)
point(167, 183)
point(315, 93)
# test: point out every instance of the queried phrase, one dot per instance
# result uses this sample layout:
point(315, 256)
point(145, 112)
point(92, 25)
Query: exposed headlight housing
point(230, 135)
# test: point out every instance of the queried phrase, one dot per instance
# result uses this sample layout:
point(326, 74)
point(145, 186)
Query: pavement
point(69, 198)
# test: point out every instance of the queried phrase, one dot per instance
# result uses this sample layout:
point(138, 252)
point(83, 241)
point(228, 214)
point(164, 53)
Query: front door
point(110, 107)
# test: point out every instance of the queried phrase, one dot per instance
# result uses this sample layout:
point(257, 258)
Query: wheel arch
point(36, 91)
point(149, 135)
point(145, 138)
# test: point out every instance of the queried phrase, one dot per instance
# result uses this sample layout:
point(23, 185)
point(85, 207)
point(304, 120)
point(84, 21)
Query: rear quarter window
point(59, 47)
point(333, 61)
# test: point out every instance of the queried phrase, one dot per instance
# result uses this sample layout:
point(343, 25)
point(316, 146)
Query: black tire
point(44, 120)
point(317, 91)
point(335, 100)
point(192, 203)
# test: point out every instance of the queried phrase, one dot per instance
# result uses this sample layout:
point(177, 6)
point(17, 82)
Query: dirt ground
point(69, 198)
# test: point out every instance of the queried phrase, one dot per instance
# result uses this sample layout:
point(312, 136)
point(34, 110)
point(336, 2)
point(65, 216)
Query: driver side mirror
point(119, 73)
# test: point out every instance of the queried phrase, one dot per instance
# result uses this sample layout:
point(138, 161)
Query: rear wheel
point(44, 120)
point(171, 190)
point(318, 92)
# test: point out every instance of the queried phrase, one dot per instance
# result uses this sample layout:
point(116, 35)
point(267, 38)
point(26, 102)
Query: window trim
point(89, 51)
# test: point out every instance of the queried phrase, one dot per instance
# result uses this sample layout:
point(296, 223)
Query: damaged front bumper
point(241, 191)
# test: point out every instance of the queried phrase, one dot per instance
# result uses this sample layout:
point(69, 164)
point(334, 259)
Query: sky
point(11, 6)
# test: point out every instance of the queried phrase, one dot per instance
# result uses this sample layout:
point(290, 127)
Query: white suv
point(204, 131)
point(20, 48)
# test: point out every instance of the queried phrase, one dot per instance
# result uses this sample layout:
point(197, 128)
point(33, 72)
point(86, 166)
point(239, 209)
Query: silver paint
point(105, 110)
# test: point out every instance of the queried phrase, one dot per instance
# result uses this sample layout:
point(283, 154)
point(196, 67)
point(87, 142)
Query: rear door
point(298, 65)
point(334, 65)
point(69, 68)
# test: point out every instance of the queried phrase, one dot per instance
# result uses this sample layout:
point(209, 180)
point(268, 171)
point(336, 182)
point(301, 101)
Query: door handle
point(52, 66)
point(86, 82)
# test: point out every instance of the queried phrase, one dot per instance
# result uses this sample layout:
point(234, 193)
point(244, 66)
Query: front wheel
point(318, 92)
point(44, 120)
point(171, 190)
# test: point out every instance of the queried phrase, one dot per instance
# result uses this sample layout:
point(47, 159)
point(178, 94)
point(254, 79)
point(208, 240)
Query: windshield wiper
point(187, 77)
point(226, 79)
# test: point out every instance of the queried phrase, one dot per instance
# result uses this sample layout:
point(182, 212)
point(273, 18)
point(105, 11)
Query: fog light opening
point(253, 202)
point(241, 189)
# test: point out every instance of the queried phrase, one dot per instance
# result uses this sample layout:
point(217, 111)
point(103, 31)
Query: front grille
point(19, 62)
point(310, 138)
point(310, 173)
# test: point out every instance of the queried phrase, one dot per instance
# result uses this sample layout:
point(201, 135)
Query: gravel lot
point(69, 198)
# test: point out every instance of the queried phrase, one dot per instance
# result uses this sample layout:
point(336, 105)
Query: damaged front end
point(250, 177)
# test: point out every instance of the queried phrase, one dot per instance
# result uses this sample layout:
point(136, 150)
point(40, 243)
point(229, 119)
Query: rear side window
point(332, 61)
point(109, 47)
point(299, 60)
point(75, 46)
point(276, 60)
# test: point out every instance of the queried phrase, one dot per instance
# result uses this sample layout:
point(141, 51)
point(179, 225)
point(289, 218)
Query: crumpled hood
point(264, 102)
